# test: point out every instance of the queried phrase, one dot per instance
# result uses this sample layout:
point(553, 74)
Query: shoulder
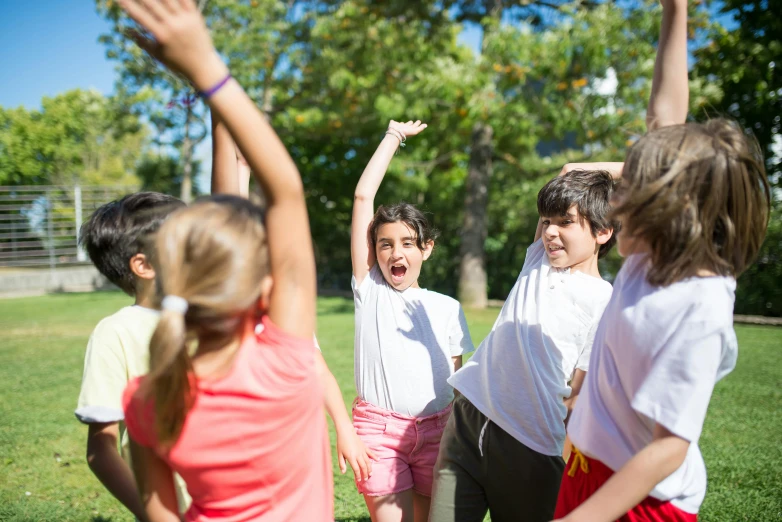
point(439, 301)
point(535, 254)
point(127, 318)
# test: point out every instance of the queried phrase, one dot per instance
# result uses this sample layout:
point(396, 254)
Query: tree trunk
point(186, 193)
point(472, 272)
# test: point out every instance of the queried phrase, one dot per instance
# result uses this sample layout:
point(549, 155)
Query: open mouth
point(398, 273)
point(555, 249)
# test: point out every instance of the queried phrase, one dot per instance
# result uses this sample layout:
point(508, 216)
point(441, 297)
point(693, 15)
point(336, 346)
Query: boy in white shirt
point(118, 349)
point(502, 447)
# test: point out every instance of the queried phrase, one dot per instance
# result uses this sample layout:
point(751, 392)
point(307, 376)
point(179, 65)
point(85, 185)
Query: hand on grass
point(181, 40)
point(351, 450)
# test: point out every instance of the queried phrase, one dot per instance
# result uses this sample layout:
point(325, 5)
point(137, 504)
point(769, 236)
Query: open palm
point(410, 128)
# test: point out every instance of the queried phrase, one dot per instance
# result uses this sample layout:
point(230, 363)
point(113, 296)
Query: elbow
point(360, 197)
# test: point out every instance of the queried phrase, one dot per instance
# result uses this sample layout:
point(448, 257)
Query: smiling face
point(398, 255)
point(569, 242)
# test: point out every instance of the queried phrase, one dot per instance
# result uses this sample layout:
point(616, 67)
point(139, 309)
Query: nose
point(552, 231)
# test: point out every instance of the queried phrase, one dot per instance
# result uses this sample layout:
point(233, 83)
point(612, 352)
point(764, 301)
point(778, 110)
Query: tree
point(167, 100)
point(77, 137)
point(744, 67)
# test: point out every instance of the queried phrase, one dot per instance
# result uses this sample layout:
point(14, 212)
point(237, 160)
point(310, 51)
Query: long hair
point(214, 255)
point(698, 195)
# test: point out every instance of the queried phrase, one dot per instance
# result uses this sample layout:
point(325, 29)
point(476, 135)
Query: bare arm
point(182, 43)
point(107, 465)
point(230, 172)
point(668, 103)
point(635, 480)
point(350, 449)
point(156, 485)
point(361, 253)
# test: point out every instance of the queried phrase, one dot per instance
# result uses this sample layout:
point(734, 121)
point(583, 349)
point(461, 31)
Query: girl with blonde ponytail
point(233, 401)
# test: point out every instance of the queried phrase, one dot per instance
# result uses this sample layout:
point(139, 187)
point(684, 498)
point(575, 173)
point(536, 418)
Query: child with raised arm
point(409, 340)
point(238, 414)
point(694, 207)
point(231, 174)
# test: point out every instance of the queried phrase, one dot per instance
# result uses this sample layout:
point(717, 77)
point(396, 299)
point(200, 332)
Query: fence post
point(80, 256)
point(50, 229)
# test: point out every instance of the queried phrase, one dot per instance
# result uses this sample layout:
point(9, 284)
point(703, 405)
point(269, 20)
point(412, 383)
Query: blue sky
point(50, 46)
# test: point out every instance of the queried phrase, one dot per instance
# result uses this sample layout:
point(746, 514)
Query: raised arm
point(361, 252)
point(182, 42)
point(669, 101)
point(230, 172)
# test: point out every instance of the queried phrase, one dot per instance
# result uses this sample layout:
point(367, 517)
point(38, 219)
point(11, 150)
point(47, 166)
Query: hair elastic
point(209, 92)
point(174, 303)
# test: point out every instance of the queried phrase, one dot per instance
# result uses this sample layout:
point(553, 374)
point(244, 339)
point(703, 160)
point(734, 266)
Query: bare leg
point(397, 507)
point(421, 505)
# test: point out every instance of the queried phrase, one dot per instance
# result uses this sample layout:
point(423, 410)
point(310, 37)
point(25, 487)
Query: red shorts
point(575, 489)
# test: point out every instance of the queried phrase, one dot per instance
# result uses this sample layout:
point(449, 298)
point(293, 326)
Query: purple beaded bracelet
point(206, 94)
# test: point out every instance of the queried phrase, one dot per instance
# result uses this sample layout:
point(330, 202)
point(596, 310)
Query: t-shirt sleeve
point(373, 278)
point(459, 335)
point(535, 252)
point(586, 350)
point(139, 415)
point(104, 379)
point(677, 390)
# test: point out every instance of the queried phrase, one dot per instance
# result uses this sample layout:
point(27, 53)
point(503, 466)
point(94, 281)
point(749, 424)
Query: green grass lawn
point(44, 475)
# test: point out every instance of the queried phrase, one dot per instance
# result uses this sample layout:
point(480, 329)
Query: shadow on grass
point(101, 519)
point(352, 519)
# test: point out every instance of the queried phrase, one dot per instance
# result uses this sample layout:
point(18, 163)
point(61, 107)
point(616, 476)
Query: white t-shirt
point(404, 344)
point(658, 354)
point(118, 350)
point(519, 376)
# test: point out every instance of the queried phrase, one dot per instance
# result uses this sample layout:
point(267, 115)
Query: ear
point(267, 283)
point(604, 235)
point(428, 247)
point(141, 268)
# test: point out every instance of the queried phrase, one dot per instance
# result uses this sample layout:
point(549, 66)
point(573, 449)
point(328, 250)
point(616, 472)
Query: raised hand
point(406, 129)
point(181, 39)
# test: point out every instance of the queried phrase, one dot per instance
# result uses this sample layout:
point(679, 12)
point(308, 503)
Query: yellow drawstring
point(579, 461)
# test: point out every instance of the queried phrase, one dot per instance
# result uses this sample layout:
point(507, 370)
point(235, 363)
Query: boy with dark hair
point(118, 347)
point(502, 448)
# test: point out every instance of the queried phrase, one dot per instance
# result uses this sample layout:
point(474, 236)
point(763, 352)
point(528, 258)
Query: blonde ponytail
point(210, 259)
point(169, 375)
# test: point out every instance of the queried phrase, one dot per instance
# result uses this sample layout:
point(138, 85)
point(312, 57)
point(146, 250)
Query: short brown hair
point(698, 195)
point(117, 231)
point(590, 191)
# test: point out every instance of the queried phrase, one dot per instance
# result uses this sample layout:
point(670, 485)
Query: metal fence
point(39, 225)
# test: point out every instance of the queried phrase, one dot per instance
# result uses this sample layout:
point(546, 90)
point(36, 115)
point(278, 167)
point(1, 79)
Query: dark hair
point(407, 214)
point(590, 191)
point(116, 231)
point(698, 195)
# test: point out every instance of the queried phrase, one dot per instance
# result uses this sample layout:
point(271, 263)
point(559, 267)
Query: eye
point(408, 244)
point(567, 221)
point(546, 222)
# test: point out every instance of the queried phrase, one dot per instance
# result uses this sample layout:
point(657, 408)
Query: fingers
point(363, 469)
point(141, 16)
point(371, 455)
point(156, 9)
point(342, 466)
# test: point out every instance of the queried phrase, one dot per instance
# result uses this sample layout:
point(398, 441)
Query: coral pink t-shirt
point(254, 446)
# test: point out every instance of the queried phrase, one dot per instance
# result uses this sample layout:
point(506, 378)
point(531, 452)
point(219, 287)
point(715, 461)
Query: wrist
point(210, 73)
point(344, 427)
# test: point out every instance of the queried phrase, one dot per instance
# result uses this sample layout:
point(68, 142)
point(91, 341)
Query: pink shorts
point(406, 447)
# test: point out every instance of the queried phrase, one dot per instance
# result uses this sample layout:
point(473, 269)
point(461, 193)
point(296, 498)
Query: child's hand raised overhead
point(181, 39)
point(410, 128)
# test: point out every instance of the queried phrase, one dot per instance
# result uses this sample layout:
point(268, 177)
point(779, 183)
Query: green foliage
point(743, 66)
point(77, 137)
point(161, 173)
point(42, 445)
